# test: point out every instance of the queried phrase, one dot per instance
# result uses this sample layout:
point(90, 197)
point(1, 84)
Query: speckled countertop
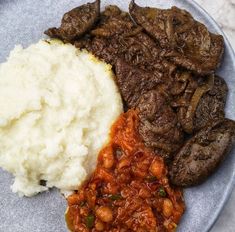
point(223, 11)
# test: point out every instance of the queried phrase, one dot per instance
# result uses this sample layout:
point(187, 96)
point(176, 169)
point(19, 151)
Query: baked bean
point(144, 193)
point(104, 213)
point(127, 191)
point(157, 168)
point(108, 160)
point(99, 226)
point(167, 207)
point(74, 199)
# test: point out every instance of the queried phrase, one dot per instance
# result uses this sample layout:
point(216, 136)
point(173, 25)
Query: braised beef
point(137, 49)
point(164, 63)
point(134, 82)
point(201, 155)
point(184, 40)
point(190, 99)
point(212, 104)
point(76, 22)
point(159, 126)
point(113, 21)
point(202, 102)
point(116, 36)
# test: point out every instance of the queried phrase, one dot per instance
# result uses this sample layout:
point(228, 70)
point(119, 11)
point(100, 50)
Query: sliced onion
point(181, 83)
point(188, 126)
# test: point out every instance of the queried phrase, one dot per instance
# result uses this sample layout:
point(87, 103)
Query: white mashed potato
point(57, 105)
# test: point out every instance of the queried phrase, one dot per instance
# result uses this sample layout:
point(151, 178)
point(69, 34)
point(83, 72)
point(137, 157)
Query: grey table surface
point(223, 11)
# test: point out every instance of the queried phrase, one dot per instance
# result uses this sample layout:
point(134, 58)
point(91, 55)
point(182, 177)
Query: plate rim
point(230, 52)
point(231, 183)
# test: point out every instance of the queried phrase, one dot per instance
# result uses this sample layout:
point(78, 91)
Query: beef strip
point(202, 102)
point(116, 36)
point(76, 22)
point(113, 21)
point(153, 61)
point(159, 126)
point(106, 39)
point(202, 154)
point(211, 105)
point(131, 49)
point(133, 82)
point(137, 49)
point(184, 40)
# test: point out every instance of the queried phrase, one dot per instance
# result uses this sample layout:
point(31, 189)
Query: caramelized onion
point(188, 126)
point(181, 83)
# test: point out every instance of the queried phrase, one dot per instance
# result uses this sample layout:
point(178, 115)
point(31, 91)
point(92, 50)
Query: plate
point(23, 22)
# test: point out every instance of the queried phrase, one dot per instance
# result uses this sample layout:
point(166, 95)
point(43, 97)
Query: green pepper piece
point(161, 192)
point(115, 197)
point(90, 221)
point(82, 203)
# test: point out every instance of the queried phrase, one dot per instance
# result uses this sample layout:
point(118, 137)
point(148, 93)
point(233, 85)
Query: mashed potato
point(57, 106)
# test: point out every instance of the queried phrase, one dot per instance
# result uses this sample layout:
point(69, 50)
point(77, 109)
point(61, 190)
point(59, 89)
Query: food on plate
point(112, 22)
point(76, 22)
point(133, 82)
point(184, 40)
point(201, 154)
point(202, 102)
point(165, 63)
point(211, 105)
point(57, 106)
point(135, 58)
point(60, 122)
point(128, 43)
point(129, 189)
point(159, 127)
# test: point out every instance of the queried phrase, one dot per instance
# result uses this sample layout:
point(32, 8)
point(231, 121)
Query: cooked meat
point(106, 39)
point(128, 191)
point(184, 40)
point(211, 105)
point(116, 36)
point(113, 21)
point(182, 80)
point(202, 154)
point(164, 64)
point(137, 49)
point(133, 82)
point(190, 100)
point(202, 102)
point(76, 22)
point(131, 49)
point(159, 126)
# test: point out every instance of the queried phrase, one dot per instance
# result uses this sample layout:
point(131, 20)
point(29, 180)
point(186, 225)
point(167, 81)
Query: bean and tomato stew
point(129, 189)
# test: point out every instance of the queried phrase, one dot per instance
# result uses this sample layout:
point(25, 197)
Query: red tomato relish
point(129, 189)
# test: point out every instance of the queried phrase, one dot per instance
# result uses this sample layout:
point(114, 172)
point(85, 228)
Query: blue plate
point(23, 22)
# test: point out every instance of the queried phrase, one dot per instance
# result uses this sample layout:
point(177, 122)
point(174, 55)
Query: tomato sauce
point(129, 189)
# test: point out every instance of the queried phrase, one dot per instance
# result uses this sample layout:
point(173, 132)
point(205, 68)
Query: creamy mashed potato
point(57, 105)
